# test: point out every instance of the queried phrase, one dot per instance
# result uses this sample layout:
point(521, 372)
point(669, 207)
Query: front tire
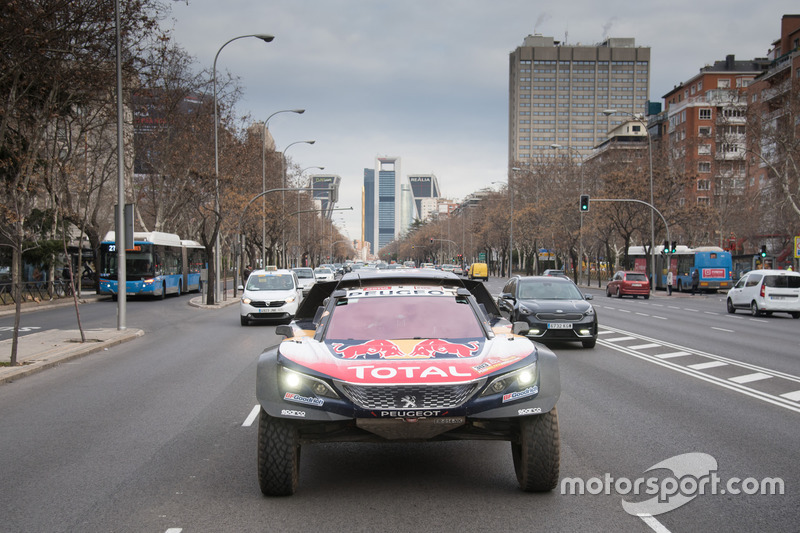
point(731, 307)
point(244, 320)
point(754, 310)
point(589, 344)
point(278, 456)
point(537, 452)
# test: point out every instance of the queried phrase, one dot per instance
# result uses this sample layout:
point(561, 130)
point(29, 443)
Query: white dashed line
point(748, 378)
point(723, 329)
point(710, 364)
point(643, 346)
point(654, 524)
point(252, 416)
point(671, 355)
point(794, 396)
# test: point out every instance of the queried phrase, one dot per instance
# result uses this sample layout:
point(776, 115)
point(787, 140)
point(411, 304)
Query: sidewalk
point(39, 351)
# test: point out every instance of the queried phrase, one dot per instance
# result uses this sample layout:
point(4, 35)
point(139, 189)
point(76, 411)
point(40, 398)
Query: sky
point(427, 80)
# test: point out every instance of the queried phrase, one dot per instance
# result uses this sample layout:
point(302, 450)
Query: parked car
point(764, 292)
point(553, 307)
point(306, 277)
point(269, 295)
point(627, 283)
point(405, 355)
point(479, 271)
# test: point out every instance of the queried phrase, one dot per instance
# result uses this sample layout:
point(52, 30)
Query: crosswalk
point(777, 388)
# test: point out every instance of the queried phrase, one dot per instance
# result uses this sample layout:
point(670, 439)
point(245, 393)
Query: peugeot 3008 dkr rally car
point(416, 355)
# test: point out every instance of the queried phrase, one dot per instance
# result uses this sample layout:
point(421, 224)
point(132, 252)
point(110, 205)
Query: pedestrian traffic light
point(764, 251)
point(674, 248)
point(584, 203)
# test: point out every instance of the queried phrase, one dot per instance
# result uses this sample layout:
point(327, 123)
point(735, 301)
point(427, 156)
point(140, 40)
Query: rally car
point(415, 355)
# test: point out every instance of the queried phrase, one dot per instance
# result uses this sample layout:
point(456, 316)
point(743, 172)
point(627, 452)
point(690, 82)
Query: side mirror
point(507, 296)
point(285, 331)
point(588, 296)
point(318, 315)
point(520, 328)
point(240, 288)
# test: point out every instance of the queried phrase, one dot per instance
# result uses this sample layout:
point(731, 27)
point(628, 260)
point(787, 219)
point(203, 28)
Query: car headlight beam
point(513, 381)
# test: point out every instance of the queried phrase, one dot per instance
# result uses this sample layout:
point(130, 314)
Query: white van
point(269, 295)
point(764, 292)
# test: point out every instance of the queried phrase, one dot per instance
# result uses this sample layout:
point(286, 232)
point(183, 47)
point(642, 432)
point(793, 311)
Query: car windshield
point(404, 317)
point(304, 273)
point(782, 282)
point(549, 290)
point(279, 282)
point(323, 271)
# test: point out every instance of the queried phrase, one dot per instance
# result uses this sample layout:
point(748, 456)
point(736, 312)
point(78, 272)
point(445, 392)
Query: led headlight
point(513, 381)
point(292, 381)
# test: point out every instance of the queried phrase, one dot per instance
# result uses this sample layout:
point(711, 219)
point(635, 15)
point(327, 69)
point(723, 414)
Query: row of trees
point(545, 196)
point(58, 154)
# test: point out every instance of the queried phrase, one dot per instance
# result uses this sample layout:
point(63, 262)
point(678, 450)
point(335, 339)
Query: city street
point(158, 434)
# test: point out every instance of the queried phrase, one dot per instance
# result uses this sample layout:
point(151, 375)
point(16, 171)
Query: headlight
point(290, 299)
point(292, 381)
point(513, 381)
point(524, 310)
point(246, 300)
point(590, 311)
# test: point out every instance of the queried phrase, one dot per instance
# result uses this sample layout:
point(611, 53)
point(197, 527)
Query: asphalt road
point(155, 434)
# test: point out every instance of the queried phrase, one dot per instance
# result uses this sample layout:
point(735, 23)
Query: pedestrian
point(695, 280)
point(669, 283)
point(246, 272)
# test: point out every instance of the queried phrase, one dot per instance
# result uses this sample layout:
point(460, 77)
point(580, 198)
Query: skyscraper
point(423, 186)
point(387, 201)
point(368, 214)
point(557, 93)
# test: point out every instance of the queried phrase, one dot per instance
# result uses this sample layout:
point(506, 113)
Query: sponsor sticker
point(292, 397)
point(290, 412)
point(529, 411)
point(512, 396)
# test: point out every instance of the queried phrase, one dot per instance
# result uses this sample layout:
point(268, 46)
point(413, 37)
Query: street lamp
point(264, 182)
point(639, 119)
point(511, 228)
point(580, 227)
point(283, 197)
point(266, 38)
point(298, 208)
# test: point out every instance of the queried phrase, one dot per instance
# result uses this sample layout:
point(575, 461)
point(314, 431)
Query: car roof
point(549, 279)
point(768, 272)
point(279, 272)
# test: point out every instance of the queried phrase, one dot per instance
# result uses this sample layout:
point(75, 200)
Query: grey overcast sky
point(427, 80)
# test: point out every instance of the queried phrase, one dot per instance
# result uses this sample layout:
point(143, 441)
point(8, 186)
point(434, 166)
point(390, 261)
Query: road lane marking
point(710, 364)
point(642, 314)
point(643, 346)
point(788, 382)
point(671, 355)
point(723, 329)
point(794, 396)
point(749, 378)
point(252, 416)
point(654, 524)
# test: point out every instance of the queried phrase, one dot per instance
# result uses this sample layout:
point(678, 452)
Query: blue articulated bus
point(714, 265)
point(156, 264)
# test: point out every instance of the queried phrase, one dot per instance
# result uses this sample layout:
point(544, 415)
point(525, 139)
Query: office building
point(368, 208)
point(558, 92)
point(325, 199)
point(424, 186)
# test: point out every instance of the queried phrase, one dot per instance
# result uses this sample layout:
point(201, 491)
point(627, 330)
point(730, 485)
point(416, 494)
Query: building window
point(704, 149)
point(704, 166)
point(703, 185)
point(705, 113)
point(724, 84)
point(704, 131)
point(703, 200)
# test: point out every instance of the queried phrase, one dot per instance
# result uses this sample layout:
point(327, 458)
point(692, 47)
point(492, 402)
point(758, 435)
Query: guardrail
point(35, 291)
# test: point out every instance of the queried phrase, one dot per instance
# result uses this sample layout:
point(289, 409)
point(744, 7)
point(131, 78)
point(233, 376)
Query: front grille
point(409, 396)
point(564, 317)
point(259, 303)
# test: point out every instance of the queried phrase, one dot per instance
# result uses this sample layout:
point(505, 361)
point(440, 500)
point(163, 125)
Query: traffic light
point(666, 249)
point(764, 251)
point(431, 240)
point(584, 203)
point(674, 249)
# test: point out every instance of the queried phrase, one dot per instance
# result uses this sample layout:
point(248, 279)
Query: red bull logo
point(386, 349)
point(434, 347)
point(372, 348)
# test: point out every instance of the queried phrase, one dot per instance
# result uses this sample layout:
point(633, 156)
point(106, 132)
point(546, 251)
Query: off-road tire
point(537, 452)
point(278, 456)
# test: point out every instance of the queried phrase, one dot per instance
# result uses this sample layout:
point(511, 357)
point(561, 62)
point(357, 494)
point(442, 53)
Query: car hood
point(405, 361)
point(555, 306)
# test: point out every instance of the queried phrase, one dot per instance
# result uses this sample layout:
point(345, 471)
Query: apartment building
point(706, 128)
point(558, 92)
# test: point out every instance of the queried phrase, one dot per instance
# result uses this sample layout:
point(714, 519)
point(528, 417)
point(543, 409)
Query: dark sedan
point(553, 306)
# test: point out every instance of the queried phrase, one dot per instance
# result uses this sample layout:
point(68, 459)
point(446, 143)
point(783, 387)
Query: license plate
point(777, 297)
point(559, 325)
point(268, 311)
point(636, 284)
